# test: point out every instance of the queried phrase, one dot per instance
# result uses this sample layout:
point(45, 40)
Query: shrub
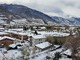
point(57, 56)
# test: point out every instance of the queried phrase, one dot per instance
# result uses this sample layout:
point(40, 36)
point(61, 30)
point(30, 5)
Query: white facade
point(37, 39)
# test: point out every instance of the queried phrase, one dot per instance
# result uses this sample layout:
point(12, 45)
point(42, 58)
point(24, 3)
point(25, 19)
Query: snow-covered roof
point(2, 28)
point(3, 33)
point(20, 29)
point(14, 45)
point(43, 27)
point(52, 33)
point(67, 52)
point(38, 36)
point(56, 46)
point(43, 45)
point(19, 32)
point(1, 38)
point(2, 21)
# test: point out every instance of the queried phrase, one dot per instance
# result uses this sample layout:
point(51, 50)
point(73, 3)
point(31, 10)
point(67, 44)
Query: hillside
point(21, 12)
point(21, 15)
point(67, 21)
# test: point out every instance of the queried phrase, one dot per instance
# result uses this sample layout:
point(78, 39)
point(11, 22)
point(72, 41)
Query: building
point(2, 29)
point(6, 40)
point(3, 34)
point(53, 33)
point(18, 34)
point(37, 39)
point(67, 53)
point(44, 46)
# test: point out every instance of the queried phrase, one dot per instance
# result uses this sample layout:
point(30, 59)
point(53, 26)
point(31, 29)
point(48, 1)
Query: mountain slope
point(27, 13)
point(23, 15)
point(67, 21)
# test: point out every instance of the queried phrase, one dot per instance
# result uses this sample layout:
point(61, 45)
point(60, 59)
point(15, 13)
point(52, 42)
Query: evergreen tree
point(36, 32)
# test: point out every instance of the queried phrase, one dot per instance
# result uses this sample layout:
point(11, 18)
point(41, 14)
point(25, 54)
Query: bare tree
point(50, 39)
point(25, 52)
point(74, 45)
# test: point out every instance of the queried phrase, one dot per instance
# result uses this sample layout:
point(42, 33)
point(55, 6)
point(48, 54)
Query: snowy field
point(37, 56)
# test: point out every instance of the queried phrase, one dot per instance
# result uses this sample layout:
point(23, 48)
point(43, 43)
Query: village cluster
point(35, 43)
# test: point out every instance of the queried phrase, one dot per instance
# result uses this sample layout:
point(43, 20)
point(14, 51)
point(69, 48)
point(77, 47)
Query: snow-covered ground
point(65, 59)
point(36, 56)
point(10, 54)
point(42, 55)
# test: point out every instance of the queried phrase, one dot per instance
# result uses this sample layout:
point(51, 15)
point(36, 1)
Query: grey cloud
point(71, 3)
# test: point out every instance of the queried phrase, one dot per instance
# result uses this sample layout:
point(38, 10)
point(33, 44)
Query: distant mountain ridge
point(67, 21)
point(23, 15)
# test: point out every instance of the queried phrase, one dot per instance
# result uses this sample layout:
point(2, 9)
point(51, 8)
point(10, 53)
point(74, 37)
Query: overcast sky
point(51, 7)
